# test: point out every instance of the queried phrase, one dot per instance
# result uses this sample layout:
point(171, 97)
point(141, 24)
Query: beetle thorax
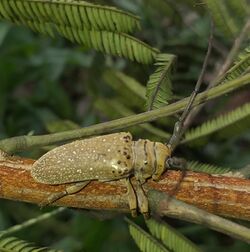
point(149, 159)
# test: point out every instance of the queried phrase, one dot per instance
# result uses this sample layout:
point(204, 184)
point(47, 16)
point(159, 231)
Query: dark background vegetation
point(45, 81)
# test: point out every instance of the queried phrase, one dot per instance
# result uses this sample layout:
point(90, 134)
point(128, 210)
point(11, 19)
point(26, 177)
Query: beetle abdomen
point(105, 157)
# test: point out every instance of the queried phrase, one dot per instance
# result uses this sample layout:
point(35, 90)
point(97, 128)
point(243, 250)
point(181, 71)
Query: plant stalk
point(20, 143)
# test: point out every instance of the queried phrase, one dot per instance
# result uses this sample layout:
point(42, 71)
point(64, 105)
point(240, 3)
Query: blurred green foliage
point(48, 85)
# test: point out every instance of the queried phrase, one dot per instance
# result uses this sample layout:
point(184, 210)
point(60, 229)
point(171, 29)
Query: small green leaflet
point(170, 237)
point(159, 86)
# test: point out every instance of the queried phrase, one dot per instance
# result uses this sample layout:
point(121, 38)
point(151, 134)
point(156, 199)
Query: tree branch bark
point(226, 196)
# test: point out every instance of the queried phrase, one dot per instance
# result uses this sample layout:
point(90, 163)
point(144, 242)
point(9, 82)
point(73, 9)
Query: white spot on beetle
point(93, 158)
point(114, 166)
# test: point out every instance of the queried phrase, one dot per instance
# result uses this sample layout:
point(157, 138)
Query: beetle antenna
point(181, 126)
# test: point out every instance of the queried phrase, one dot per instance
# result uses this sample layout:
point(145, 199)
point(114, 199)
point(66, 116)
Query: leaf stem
point(181, 125)
point(161, 203)
point(31, 222)
point(233, 52)
point(20, 143)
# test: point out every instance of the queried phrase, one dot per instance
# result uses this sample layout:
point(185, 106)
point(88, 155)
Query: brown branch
point(227, 196)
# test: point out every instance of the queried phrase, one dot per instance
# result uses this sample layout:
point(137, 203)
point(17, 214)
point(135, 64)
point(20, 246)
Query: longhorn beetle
point(111, 157)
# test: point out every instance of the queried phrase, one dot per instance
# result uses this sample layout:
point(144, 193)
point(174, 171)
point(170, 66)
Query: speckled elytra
point(103, 158)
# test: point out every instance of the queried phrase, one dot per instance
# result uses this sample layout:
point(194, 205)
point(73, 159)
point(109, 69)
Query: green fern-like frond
point(232, 123)
point(145, 241)
point(74, 13)
point(114, 43)
point(170, 237)
point(93, 26)
point(119, 44)
point(13, 244)
point(222, 17)
point(126, 87)
point(241, 64)
point(159, 86)
point(207, 168)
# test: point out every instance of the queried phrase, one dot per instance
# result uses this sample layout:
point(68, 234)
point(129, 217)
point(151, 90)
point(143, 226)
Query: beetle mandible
point(103, 158)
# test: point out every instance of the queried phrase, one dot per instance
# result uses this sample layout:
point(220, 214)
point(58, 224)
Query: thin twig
point(180, 126)
point(20, 143)
point(231, 55)
point(31, 222)
point(164, 205)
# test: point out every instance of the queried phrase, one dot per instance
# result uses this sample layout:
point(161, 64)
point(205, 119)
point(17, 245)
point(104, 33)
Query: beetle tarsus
point(53, 198)
point(142, 200)
point(132, 201)
point(72, 189)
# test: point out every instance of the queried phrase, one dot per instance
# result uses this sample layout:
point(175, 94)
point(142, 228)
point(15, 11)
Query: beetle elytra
point(103, 158)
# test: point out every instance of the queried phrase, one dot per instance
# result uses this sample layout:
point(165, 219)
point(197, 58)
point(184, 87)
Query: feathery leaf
point(145, 241)
point(74, 13)
point(13, 244)
point(94, 26)
point(170, 237)
point(207, 168)
point(233, 122)
point(159, 86)
point(241, 64)
point(114, 43)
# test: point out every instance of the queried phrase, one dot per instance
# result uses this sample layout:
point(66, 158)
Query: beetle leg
point(156, 177)
point(132, 201)
point(142, 200)
point(68, 191)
